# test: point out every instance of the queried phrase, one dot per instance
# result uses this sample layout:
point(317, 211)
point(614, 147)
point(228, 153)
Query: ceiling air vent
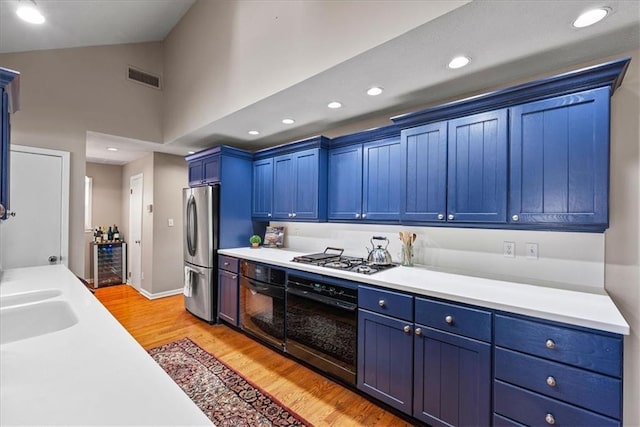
point(144, 78)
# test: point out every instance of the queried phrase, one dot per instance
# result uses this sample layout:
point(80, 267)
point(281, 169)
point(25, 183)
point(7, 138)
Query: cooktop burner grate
point(342, 262)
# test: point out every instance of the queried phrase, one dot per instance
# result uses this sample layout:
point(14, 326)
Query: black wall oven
point(262, 302)
point(321, 319)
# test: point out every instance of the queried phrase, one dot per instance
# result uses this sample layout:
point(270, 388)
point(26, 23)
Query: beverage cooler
point(108, 263)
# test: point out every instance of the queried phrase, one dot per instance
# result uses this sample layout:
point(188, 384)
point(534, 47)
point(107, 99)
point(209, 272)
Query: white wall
point(212, 55)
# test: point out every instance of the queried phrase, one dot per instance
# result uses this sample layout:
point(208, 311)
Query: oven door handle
point(262, 288)
point(333, 302)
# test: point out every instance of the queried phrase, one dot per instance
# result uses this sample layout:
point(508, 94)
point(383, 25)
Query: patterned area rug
point(226, 397)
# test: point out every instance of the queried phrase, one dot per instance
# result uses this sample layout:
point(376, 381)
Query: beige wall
point(170, 177)
point(67, 92)
point(212, 55)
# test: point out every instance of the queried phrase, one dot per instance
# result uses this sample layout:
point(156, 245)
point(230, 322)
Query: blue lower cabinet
point(228, 296)
point(385, 358)
point(452, 379)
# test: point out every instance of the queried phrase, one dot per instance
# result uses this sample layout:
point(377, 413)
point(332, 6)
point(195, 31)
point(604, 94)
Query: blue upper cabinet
point(205, 170)
point(9, 94)
point(364, 176)
point(290, 182)
point(424, 182)
point(477, 168)
point(381, 180)
point(560, 160)
point(345, 183)
point(262, 188)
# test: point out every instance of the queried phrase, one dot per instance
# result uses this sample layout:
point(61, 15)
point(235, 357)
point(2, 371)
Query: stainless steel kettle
point(378, 254)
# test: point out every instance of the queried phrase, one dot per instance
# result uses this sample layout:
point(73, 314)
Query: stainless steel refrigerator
point(201, 239)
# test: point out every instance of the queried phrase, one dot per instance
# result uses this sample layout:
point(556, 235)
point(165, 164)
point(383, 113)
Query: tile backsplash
point(568, 260)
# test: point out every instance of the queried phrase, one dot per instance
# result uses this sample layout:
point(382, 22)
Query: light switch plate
point(531, 250)
point(170, 221)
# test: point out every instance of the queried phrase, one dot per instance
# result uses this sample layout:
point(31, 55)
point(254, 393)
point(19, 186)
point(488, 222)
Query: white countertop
point(591, 310)
point(92, 373)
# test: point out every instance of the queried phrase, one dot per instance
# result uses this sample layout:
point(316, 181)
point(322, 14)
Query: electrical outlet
point(532, 250)
point(170, 222)
point(509, 249)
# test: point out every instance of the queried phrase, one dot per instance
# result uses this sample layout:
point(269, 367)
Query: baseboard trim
point(152, 296)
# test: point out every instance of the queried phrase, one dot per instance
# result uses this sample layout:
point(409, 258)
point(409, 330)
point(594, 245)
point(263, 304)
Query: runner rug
point(225, 396)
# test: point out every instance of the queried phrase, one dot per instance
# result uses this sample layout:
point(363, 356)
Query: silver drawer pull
point(418, 331)
point(550, 344)
point(549, 418)
point(357, 215)
point(449, 320)
point(407, 329)
point(450, 217)
point(364, 215)
point(551, 382)
point(381, 303)
point(440, 217)
point(234, 277)
point(515, 218)
point(226, 263)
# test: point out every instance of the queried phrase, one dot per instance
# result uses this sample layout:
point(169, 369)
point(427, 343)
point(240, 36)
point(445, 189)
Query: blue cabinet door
point(345, 182)
point(262, 188)
point(560, 160)
point(385, 359)
point(283, 186)
point(424, 166)
point(477, 168)
point(228, 296)
point(381, 180)
point(196, 173)
point(211, 169)
point(452, 379)
point(4, 151)
point(306, 184)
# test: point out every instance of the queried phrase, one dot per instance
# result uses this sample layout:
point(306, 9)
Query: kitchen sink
point(28, 297)
point(19, 322)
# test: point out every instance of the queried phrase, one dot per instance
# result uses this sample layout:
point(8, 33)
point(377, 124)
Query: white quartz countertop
point(591, 310)
point(91, 373)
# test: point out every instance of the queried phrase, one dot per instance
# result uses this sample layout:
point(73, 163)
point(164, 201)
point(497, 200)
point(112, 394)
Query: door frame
point(132, 243)
point(65, 157)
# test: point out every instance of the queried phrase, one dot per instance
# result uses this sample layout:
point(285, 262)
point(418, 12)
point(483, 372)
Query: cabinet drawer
point(500, 421)
point(228, 263)
point(584, 349)
point(596, 392)
point(466, 321)
point(386, 302)
point(533, 409)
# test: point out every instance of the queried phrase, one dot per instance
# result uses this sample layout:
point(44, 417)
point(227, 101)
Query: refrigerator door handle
point(192, 226)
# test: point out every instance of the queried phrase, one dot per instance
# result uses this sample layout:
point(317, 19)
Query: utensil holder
point(406, 257)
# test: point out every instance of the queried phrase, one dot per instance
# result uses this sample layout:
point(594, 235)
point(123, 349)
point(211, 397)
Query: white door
point(135, 231)
point(38, 234)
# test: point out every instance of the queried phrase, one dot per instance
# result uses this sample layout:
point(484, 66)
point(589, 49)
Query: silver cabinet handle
point(448, 319)
point(293, 214)
point(551, 382)
point(289, 214)
point(450, 217)
point(234, 277)
point(407, 328)
point(269, 214)
point(418, 331)
point(550, 344)
point(364, 215)
point(357, 215)
point(226, 264)
point(515, 218)
point(381, 303)
point(440, 217)
point(549, 418)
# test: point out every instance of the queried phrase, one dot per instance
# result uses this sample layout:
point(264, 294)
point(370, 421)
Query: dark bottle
point(116, 233)
point(110, 234)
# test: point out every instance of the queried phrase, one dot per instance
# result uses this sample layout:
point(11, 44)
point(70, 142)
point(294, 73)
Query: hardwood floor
point(320, 401)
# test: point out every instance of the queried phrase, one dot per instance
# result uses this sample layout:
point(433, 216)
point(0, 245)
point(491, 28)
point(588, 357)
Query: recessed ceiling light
point(374, 91)
point(590, 17)
point(112, 149)
point(288, 121)
point(30, 14)
point(334, 104)
point(191, 152)
point(254, 132)
point(458, 62)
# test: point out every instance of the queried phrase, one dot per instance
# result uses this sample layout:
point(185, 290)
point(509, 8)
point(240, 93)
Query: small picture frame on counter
point(274, 237)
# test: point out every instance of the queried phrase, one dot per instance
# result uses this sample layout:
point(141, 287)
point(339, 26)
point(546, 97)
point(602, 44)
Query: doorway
point(135, 231)
point(37, 232)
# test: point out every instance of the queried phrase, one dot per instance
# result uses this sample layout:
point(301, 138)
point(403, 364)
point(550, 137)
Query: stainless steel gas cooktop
point(333, 258)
